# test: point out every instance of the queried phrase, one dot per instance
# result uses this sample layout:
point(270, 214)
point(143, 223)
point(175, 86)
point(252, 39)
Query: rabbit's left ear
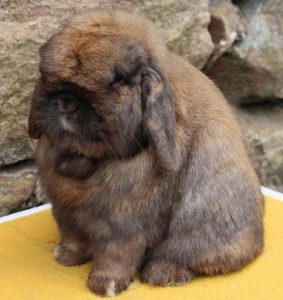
point(159, 119)
point(34, 128)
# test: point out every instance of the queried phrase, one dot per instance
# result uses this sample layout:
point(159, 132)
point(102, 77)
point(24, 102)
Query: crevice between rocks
point(20, 187)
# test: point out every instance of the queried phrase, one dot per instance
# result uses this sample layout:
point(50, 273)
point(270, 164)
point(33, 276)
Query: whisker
point(110, 146)
point(138, 143)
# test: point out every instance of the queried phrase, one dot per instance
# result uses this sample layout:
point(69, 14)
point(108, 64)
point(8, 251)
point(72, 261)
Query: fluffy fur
point(141, 157)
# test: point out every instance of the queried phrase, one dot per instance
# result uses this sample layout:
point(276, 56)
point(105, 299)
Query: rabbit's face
point(101, 94)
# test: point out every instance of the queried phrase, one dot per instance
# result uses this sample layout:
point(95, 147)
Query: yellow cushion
point(28, 271)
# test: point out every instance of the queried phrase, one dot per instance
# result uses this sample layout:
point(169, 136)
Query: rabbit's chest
point(117, 203)
point(125, 211)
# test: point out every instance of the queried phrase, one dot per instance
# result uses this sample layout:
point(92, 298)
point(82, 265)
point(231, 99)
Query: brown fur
point(150, 173)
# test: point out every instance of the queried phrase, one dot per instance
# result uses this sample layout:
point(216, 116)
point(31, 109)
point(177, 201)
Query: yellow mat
point(28, 271)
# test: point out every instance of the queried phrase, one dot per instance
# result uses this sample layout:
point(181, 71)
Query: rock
point(262, 126)
point(18, 59)
point(253, 71)
point(17, 184)
point(184, 25)
point(39, 192)
point(226, 27)
point(25, 25)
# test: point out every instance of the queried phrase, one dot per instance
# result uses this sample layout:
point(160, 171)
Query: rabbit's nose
point(68, 106)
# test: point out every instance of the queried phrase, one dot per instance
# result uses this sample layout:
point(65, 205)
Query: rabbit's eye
point(122, 78)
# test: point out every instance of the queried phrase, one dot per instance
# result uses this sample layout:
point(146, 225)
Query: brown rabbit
point(141, 157)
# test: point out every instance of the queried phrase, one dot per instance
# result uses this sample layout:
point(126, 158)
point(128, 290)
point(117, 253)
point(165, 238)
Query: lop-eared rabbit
point(141, 157)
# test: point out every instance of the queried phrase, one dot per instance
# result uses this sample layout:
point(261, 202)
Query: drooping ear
point(34, 127)
point(159, 118)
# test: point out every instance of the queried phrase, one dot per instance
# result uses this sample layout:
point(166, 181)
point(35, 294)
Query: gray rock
point(17, 184)
point(39, 192)
point(184, 25)
point(226, 27)
point(18, 60)
point(25, 25)
point(262, 126)
point(253, 71)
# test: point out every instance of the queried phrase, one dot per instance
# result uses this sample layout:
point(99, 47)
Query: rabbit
point(141, 157)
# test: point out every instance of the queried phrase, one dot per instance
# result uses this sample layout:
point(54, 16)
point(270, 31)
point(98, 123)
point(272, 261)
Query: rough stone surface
point(17, 184)
point(25, 25)
point(18, 60)
point(190, 38)
point(262, 127)
point(226, 27)
point(253, 71)
point(39, 192)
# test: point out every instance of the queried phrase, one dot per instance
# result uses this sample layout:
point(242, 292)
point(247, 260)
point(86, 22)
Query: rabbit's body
point(172, 208)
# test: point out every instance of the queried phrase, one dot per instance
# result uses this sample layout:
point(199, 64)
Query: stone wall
point(238, 44)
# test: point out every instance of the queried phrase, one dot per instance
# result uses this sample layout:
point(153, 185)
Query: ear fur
point(34, 128)
point(159, 118)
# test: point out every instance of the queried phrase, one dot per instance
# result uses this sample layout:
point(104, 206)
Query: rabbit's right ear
point(159, 118)
point(34, 127)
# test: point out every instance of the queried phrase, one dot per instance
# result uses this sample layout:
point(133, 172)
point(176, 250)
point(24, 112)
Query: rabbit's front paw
point(69, 256)
point(108, 286)
point(164, 273)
